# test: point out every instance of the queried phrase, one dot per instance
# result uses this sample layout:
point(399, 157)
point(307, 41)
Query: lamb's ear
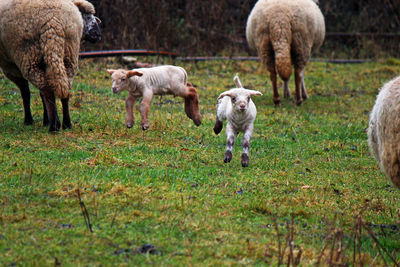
point(133, 73)
point(227, 93)
point(111, 71)
point(253, 92)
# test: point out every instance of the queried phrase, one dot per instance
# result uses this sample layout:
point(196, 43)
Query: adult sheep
point(384, 130)
point(39, 43)
point(285, 32)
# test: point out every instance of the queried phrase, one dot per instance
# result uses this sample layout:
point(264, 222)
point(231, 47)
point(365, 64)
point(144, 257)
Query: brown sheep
point(284, 32)
point(39, 43)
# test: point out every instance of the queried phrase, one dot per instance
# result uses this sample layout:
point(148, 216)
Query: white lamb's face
point(240, 102)
point(119, 81)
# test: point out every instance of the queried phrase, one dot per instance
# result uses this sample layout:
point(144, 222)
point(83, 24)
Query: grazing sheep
point(146, 82)
point(284, 32)
point(237, 107)
point(39, 43)
point(384, 130)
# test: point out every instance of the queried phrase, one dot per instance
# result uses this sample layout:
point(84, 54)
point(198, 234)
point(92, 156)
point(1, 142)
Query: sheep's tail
point(52, 46)
point(281, 41)
point(237, 81)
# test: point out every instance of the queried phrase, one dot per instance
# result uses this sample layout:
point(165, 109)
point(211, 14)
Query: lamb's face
point(240, 98)
point(119, 80)
point(91, 28)
point(240, 101)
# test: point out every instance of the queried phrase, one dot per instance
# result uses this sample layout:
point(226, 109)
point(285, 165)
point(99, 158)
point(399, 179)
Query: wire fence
point(356, 29)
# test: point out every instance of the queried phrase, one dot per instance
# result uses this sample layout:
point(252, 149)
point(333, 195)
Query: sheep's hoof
point(28, 121)
point(245, 160)
point(228, 156)
point(299, 102)
point(66, 125)
point(218, 126)
point(277, 101)
point(129, 125)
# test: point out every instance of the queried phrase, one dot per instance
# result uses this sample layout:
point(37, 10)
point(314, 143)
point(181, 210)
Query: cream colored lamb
point(284, 33)
point(147, 82)
point(384, 130)
point(238, 109)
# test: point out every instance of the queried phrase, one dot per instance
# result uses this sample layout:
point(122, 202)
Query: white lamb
point(237, 107)
point(161, 80)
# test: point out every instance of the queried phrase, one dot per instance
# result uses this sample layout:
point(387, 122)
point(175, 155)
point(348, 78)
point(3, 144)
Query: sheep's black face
point(91, 28)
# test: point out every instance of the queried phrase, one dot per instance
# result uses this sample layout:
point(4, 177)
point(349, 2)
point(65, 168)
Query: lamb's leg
point(230, 142)
point(66, 124)
point(45, 116)
point(23, 86)
point(129, 103)
point(298, 75)
point(144, 108)
point(50, 101)
point(246, 145)
point(192, 105)
point(303, 87)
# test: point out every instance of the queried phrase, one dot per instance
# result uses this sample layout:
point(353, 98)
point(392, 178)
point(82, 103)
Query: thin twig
point(85, 213)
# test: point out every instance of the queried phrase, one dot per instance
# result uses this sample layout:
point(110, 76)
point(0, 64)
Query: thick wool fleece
point(384, 130)
point(39, 41)
point(284, 32)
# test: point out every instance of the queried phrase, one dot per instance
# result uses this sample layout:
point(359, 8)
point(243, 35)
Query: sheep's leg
point(272, 76)
point(50, 101)
point(246, 145)
point(45, 116)
point(286, 90)
point(66, 124)
point(23, 86)
point(303, 87)
point(144, 108)
point(298, 74)
point(129, 103)
point(192, 105)
point(230, 142)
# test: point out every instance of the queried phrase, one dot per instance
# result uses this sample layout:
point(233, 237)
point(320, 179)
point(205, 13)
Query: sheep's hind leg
point(23, 86)
point(66, 124)
point(272, 75)
point(246, 146)
point(45, 115)
point(50, 102)
point(144, 110)
point(286, 90)
point(230, 142)
point(298, 74)
point(303, 87)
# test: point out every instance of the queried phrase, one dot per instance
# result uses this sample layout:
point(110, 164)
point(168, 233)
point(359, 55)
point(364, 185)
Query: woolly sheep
point(284, 32)
point(238, 109)
point(384, 130)
point(146, 82)
point(39, 43)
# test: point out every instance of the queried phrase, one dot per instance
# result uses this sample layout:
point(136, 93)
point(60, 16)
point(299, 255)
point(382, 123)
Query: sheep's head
point(91, 28)
point(120, 79)
point(240, 98)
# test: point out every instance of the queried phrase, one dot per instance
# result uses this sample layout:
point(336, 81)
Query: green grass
point(169, 186)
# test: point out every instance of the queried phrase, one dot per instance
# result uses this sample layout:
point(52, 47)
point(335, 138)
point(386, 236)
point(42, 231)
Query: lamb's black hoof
point(218, 126)
point(227, 157)
point(245, 160)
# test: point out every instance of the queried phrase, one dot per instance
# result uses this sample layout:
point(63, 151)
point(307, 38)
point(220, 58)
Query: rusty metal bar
point(128, 52)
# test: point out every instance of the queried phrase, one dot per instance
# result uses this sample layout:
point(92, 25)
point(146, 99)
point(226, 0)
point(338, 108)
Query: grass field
point(311, 181)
